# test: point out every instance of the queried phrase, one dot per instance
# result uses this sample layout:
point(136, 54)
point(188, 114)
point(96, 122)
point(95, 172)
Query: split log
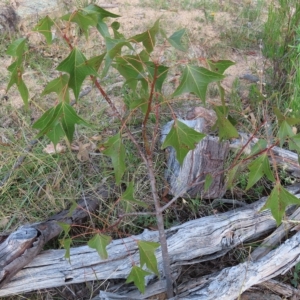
point(231, 282)
point(194, 241)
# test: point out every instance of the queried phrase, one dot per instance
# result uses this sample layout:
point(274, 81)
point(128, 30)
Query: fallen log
point(194, 241)
point(19, 248)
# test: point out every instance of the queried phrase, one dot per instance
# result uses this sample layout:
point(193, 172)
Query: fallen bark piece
point(195, 241)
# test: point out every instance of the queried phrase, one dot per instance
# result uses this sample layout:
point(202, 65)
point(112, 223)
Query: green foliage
point(17, 49)
point(195, 80)
point(183, 139)
point(258, 168)
point(115, 149)
point(67, 245)
point(224, 124)
point(57, 122)
point(147, 256)
point(60, 86)
point(129, 197)
point(175, 40)
point(100, 242)
point(44, 27)
point(295, 280)
point(277, 202)
point(147, 38)
point(78, 68)
point(137, 276)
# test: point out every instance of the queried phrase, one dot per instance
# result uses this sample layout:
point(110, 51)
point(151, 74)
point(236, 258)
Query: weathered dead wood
point(231, 282)
point(276, 237)
point(206, 159)
point(20, 247)
point(195, 241)
point(281, 288)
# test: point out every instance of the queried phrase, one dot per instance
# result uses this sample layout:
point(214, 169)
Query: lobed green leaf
point(196, 80)
point(183, 139)
point(100, 242)
point(137, 276)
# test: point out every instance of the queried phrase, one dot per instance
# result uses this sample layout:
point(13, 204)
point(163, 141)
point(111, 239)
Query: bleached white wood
point(231, 282)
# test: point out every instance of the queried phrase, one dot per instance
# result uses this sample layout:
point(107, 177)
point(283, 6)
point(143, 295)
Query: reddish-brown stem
point(155, 133)
point(144, 124)
point(246, 144)
point(115, 111)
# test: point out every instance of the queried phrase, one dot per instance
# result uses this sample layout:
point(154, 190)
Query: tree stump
point(207, 159)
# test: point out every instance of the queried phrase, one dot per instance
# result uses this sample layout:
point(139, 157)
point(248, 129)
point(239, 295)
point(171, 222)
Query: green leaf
point(83, 19)
point(142, 103)
point(137, 276)
point(66, 227)
point(259, 146)
point(102, 13)
point(76, 65)
point(195, 80)
point(96, 61)
point(17, 70)
point(183, 139)
point(258, 168)
point(232, 175)
point(294, 142)
point(44, 27)
point(281, 117)
point(129, 197)
point(114, 46)
point(100, 242)
point(116, 151)
point(208, 181)
point(147, 255)
point(175, 40)
point(55, 134)
point(161, 74)
point(132, 69)
point(67, 245)
point(16, 48)
point(68, 120)
point(226, 129)
point(219, 66)
point(148, 38)
point(49, 121)
point(277, 202)
point(285, 130)
point(59, 86)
